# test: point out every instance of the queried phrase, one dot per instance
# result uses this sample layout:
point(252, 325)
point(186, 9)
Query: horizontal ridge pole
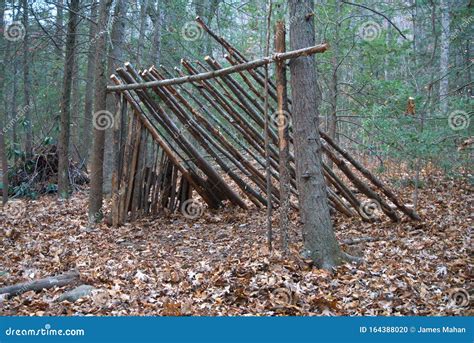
point(225, 71)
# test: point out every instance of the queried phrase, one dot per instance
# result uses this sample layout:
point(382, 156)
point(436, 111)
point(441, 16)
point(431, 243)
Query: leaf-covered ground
point(219, 263)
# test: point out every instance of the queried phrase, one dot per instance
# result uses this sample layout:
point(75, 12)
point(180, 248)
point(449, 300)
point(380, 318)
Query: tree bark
point(65, 131)
point(114, 58)
point(100, 100)
point(319, 239)
point(444, 57)
point(59, 28)
point(89, 90)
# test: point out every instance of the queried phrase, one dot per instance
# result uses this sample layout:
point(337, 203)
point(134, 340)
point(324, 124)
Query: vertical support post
point(283, 122)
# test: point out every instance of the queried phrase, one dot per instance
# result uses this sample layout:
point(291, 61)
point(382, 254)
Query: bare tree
point(319, 239)
point(65, 131)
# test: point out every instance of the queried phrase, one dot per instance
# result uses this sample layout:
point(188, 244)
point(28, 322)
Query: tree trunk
point(59, 28)
point(319, 239)
point(335, 66)
point(444, 57)
point(26, 82)
point(64, 136)
point(141, 33)
point(89, 91)
point(96, 193)
point(158, 22)
point(3, 115)
point(114, 58)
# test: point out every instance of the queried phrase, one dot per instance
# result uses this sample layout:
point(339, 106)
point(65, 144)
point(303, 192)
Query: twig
point(376, 12)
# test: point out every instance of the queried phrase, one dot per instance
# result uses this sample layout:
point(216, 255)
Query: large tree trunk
point(115, 56)
point(64, 136)
point(319, 239)
point(27, 82)
point(3, 115)
point(96, 192)
point(89, 91)
point(444, 57)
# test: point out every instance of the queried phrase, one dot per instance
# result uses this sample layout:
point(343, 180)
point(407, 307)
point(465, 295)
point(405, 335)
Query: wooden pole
point(372, 178)
point(283, 136)
point(225, 71)
point(208, 198)
point(267, 135)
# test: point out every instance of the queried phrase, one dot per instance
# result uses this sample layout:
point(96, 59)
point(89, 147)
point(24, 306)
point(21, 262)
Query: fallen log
point(61, 280)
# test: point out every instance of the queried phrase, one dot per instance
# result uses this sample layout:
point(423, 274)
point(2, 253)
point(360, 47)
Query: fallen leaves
point(219, 264)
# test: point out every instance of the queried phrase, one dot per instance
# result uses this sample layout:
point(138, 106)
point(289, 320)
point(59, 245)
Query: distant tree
point(65, 130)
point(444, 56)
point(89, 89)
point(27, 82)
point(3, 116)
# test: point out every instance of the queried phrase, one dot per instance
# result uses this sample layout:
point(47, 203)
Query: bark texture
point(89, 89)
point(96, 192)
point(319, 239)
point(65, 131)
point(444, 57)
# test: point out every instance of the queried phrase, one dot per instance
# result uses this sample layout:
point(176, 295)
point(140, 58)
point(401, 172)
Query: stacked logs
point(200, 128)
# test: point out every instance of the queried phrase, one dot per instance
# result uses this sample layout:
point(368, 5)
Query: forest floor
point(219, 264)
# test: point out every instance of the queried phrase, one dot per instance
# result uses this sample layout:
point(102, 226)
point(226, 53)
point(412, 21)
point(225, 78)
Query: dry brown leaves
point(218, 264)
